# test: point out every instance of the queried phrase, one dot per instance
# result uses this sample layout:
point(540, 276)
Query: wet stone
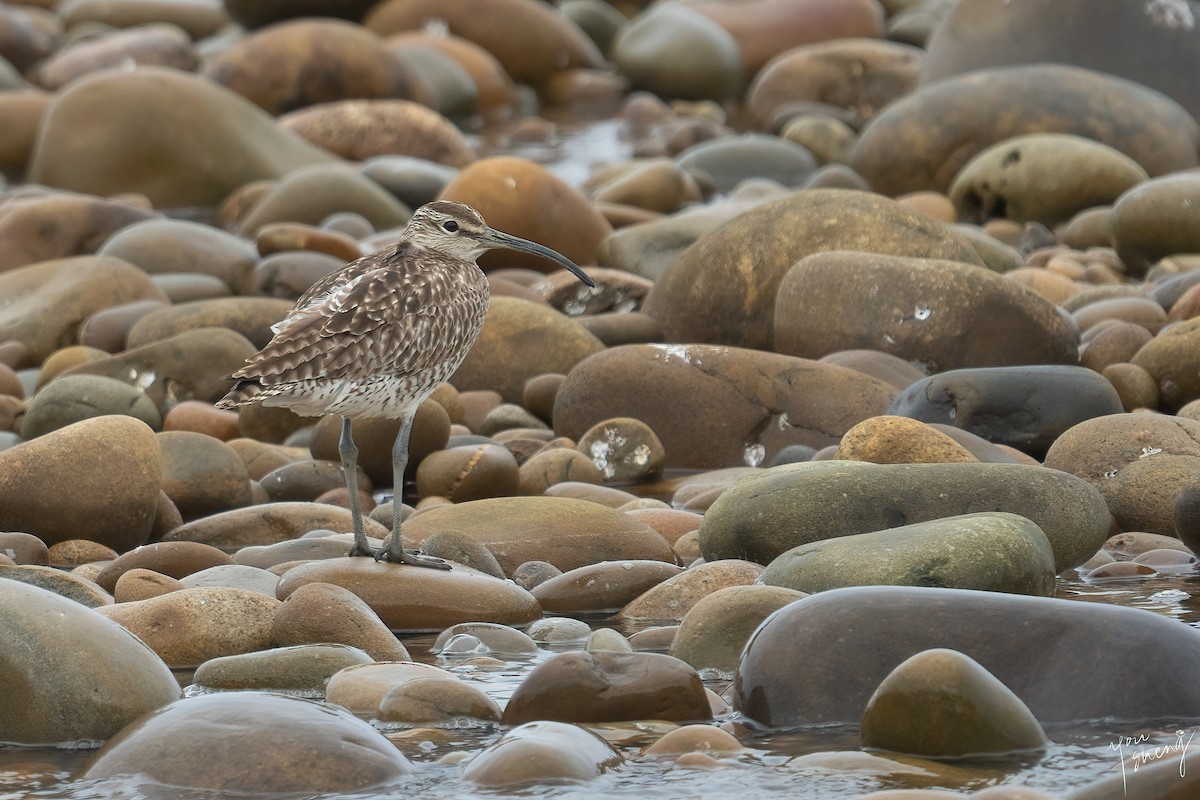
point(804, 645)
point(303, 668)
point(541, 752)
point(606, 586)
point(675, 597)
point(430, 701)
point(84, 677)
point(321, 612)
point(608, 687)
point(225, 742)
point(941, 703)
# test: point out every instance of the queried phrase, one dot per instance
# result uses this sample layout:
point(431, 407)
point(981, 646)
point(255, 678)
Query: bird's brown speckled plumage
point(375, 338)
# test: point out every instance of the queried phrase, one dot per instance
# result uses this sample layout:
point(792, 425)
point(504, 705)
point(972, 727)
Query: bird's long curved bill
point(510, 242)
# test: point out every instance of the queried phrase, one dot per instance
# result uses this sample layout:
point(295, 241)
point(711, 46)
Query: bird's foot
point(385, 553)
point(360, 550)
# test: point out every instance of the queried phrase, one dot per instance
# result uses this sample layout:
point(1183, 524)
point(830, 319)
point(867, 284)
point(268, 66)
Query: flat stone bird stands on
point(375, 338)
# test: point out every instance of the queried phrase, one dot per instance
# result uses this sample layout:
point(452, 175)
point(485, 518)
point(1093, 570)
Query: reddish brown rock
point(609, 687)
point(414, 598)
point(567, 533)
point(523, 198)
point(531, 41)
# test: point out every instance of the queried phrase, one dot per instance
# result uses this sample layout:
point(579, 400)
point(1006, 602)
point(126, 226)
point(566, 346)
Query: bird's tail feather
point(246, 390)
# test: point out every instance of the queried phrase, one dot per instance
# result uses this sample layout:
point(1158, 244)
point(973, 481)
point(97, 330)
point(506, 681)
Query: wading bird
point(375, 338)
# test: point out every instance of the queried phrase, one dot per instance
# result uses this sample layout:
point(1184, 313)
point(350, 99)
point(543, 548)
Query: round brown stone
point(424, 701)
point(565, 532)
point(608, 686)
point(922, 140)
point(107, 473)
point(219, 743)
point(415, 598)
point(469, 472)
point(304, 62)
point(606, 586)
point(525, 199)
point(519, 341)
point(530, 41)
point(322, 612)
point(711, 294)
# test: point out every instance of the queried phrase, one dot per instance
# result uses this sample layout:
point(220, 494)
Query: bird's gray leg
point(394, 551)
point(348, 450)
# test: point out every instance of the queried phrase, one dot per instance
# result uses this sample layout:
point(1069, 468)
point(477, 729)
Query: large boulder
point(942, 314)
point(820, 659)
point(723, 288)
point(998, 552)
point(765, 515)
point(45, 303)
point(70, 674)
point(922, 141)
point(714, 406)
point(178, 139)
point(1094, 34)
point(97, 479)
point(231, 743)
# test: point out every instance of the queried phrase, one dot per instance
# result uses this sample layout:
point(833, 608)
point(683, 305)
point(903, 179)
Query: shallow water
point(1078, 754)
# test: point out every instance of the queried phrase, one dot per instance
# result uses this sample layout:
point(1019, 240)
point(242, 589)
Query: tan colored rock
point(360, 129)
point(190, 626)
point(74, 552)
point(674, 598)
point(86, 593)
point(142, 584)
point(606, 586)
point(899, 440)
point(83, 677)
point(424, 701)
point(415, 598)
point(228, 743)
point(321, 612)
point(98, 478)
point(360, 689)
point(47, 300)
point(715, 630)
point(567, 533)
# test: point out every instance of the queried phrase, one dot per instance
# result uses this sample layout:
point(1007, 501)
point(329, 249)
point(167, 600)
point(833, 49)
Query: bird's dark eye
point(450, 225)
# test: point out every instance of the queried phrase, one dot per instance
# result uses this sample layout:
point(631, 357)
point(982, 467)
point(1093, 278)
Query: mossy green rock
point(762, 516)
point(998, 552)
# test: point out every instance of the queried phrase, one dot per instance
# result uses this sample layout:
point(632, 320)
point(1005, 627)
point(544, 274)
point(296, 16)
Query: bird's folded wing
point(375, 323)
